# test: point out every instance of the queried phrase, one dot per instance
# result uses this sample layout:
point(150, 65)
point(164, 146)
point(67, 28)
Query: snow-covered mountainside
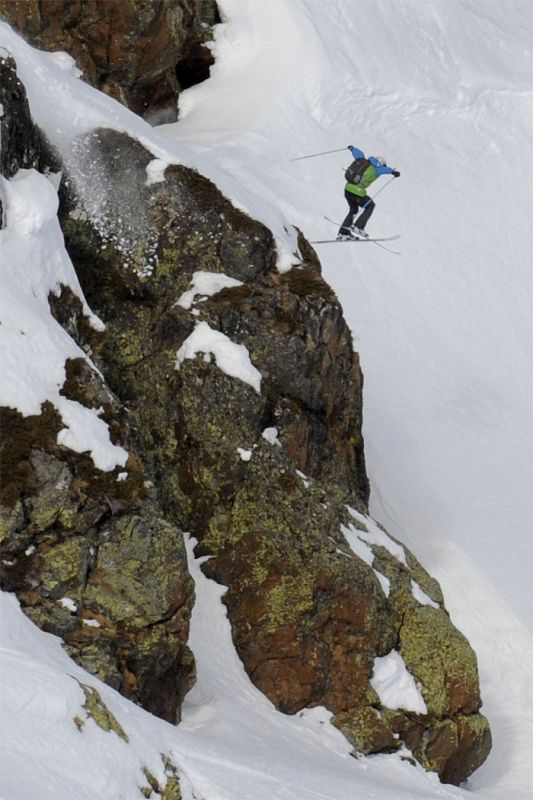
point(443, 90)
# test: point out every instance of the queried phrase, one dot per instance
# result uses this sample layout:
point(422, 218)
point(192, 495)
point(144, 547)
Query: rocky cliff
point(263, 464)
point(140, 52)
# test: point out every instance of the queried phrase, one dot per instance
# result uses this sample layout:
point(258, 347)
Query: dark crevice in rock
point(194, 67)
point(195, 64)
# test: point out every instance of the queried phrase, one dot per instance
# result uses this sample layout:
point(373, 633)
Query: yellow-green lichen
point(441, 660)
point(97, 710)
point(11, 520)
point(45, 511)
point(428, 584)
point(220, 533)
point(287, 601)
point(130, 347)
point(475, 722)
point(259, 572)
point(67, 516)
point(62, 562)
point(365, 730)
point(171, 790)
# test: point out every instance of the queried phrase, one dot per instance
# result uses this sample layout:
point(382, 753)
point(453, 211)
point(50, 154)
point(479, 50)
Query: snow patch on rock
point(231, 358)
point(420, 595)
point(395, 686)
point(206, 284)
point(373, 534)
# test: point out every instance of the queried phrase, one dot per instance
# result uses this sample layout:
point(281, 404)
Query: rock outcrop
point(266, 470)
point(141, 53)
point(90, 554)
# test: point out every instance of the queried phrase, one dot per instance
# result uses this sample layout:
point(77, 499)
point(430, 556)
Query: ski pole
point(370, 199)
point(313, 155)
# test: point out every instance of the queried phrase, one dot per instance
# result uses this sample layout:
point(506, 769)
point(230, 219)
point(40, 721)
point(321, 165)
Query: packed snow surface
point(442, 88)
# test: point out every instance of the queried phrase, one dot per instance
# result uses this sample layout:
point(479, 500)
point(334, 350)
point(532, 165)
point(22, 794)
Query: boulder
point(141, 53)
point(267, 473)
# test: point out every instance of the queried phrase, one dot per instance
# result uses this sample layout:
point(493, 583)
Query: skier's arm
point(382, 170)
point(356, 153)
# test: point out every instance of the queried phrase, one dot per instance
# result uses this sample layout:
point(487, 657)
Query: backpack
point(355, 171)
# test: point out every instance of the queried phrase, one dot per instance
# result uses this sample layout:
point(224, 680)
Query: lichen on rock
point(171, 790)
point(96, 709)
point(308, 615)
point(441, 659)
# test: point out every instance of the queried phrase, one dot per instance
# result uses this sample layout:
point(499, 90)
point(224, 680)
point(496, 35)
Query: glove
point(395, 173)
point(350, 147)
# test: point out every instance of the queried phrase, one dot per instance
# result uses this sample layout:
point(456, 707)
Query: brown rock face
point(133, 50)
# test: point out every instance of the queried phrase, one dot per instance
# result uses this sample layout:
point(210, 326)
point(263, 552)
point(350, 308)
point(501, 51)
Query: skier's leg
point(351, 199)
point(363, 218)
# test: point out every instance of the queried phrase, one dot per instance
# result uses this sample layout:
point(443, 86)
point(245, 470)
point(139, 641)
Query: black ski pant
point(355, 202)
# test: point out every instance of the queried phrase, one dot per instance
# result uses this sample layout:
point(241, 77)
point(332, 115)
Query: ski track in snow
point(444, 334)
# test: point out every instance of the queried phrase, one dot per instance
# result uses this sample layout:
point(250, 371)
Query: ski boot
point(345, 235)
point(358, 233)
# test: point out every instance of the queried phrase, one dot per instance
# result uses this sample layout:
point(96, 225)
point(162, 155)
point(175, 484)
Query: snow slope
point(443, 89)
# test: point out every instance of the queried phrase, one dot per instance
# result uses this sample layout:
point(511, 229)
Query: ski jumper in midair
point(359, 175)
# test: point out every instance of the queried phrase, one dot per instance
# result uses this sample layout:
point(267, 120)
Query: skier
point(360, 174)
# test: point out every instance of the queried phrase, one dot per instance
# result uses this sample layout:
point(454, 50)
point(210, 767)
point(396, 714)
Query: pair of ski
point(376, 241)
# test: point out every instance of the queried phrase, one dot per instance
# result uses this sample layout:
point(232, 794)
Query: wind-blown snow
point(443, 90)
point(67, 108)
